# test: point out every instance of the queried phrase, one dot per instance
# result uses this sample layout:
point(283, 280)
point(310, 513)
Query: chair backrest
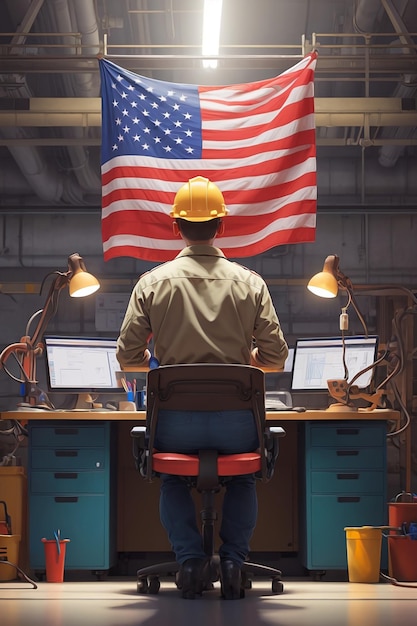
point(206, 387)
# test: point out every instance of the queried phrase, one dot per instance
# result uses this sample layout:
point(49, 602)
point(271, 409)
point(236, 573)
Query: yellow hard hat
point(199, 200)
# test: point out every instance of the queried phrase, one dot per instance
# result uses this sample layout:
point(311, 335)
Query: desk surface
point(136, 416)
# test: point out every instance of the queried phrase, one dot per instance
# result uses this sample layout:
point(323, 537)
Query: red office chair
point(206, 387)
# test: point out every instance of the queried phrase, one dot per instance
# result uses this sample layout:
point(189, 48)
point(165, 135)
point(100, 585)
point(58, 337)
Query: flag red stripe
point(300, 235)
point(156, 226)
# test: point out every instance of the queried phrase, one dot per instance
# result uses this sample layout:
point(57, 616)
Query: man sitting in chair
point(203, 308)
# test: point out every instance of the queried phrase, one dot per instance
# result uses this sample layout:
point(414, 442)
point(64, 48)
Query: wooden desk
point(138, 526)
point(137, 416)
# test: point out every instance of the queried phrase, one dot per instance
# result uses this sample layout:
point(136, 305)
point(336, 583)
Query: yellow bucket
point(363, 547)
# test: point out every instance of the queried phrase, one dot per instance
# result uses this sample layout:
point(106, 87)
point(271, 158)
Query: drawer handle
point(66, 452)
point(66, 475)
point(348, 499)
point(347, 452)
point(66, 499)
point(347, 431)
point(66, 431)
point(347, 476)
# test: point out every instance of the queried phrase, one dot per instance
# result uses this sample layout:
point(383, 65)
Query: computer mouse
point(298, 409)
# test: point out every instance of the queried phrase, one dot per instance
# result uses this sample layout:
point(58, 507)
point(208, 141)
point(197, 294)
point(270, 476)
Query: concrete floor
point(115, 602)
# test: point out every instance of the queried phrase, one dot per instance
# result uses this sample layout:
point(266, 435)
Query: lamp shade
point(83, 284)
point(323, 284)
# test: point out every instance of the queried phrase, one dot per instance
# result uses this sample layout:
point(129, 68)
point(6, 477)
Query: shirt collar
point(201, 250)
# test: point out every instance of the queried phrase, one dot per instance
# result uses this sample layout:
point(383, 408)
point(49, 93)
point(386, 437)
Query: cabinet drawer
point(62, 482)
point(84, 520)
point(68, 458)
point(346, 458)
point(67, 435)
point(346, 482)
point(328, 517)
point(346, 435)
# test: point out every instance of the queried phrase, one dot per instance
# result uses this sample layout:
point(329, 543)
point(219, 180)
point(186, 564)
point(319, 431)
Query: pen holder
point(129, 404)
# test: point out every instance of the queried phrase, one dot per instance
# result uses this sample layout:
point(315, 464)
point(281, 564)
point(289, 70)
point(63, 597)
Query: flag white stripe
point(252, 182)
point(279, 132)
point(254, 209)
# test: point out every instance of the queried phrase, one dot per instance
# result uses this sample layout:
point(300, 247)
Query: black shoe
point(193, 577)
point(231, 580)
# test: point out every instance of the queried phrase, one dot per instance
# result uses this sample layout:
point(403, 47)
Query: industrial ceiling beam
point(329, 112)
point(330, 66)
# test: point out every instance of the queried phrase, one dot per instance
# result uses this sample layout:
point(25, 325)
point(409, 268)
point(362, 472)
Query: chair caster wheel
point(149, 585)
point(277, 586)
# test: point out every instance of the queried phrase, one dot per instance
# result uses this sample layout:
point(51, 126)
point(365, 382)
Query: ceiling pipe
point(366, 14)
point(80, 16)
point(46, 182)
point(407, 89)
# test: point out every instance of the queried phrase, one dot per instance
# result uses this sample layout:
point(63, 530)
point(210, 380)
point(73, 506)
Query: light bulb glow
point(212, 17)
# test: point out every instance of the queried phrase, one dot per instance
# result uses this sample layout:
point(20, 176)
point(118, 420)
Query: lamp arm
point(346, 284)
point(28, 348)
point(366, 369)
point(359, 314)
point(14, 348)
point(50, 306)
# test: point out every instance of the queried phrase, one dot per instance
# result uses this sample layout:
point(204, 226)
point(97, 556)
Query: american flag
point(256, 141)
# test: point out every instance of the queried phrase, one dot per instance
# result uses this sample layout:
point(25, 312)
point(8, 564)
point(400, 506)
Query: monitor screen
point(319, 359)
point(81, 364)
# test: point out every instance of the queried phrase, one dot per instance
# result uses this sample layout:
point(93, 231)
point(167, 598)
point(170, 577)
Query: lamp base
point(36, 397)
point(338, 406)
point(84, 401)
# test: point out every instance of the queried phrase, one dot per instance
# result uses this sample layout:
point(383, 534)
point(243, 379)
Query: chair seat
point(188, 464)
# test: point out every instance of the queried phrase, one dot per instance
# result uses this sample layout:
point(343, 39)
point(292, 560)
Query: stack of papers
point(278, 401)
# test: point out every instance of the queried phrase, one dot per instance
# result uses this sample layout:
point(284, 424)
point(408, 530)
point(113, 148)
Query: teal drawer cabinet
point(344, 484)
point(71, 487)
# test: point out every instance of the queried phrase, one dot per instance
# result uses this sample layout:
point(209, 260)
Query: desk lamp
point(326, 284)
point(81, 284)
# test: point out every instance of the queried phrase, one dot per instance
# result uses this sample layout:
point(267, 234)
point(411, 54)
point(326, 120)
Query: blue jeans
point(229, 432)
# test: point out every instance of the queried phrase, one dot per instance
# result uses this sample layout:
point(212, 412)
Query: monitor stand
point(84, 401)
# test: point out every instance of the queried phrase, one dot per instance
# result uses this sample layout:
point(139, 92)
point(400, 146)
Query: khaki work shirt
point(201, 308)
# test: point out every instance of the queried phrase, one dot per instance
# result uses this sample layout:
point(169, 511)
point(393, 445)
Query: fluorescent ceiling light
point(212, 17)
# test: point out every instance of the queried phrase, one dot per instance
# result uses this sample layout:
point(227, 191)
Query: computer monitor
point(319, 359)
point(81, 364)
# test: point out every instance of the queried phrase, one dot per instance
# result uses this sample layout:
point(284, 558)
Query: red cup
point(54, 559)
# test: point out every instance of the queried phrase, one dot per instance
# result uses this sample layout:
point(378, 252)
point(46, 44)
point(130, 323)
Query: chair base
point(148, 578)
